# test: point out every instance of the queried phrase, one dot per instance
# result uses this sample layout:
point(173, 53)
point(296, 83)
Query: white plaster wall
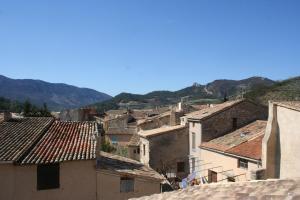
point(195, 153)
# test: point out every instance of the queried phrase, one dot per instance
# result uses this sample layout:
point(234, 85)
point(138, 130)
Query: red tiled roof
point(239, 141)
point(18, 135)
point(65, 141)
point(249, 149)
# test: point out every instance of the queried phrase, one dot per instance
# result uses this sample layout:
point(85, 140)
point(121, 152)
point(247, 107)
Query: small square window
point(242, 163)
point(47, 176)
point(126, 184)
point(180, 166)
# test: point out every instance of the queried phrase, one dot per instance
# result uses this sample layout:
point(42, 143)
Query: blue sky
point(143, 45)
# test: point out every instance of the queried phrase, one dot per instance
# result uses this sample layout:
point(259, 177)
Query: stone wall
point(169, 148)
point(222, 123)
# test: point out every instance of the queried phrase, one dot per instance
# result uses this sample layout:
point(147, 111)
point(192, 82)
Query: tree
point(27, 108)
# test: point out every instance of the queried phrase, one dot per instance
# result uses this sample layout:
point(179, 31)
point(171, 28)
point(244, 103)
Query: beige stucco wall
point(289, 130)
point(109, 187)
point(227, 163)
point(281, 143)
point(77, 181)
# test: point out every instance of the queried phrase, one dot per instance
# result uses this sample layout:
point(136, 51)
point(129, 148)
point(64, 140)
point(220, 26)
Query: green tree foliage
point(107, 147)
point(12, 106)
point(31, 110)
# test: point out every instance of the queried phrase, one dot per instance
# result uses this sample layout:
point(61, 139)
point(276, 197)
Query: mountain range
point(57, 96)
point(213, 91)
point(60, 96)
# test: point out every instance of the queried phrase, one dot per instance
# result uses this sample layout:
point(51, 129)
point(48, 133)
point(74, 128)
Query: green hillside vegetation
point(13, 106)
point(287, 90)
point(28, 109)
point(197, 94)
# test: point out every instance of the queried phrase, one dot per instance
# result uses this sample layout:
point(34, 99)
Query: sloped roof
point(240, 140)
point(134, 140)
point(18, 135)
point(216, 108)
point(290, 104)
point(127, 166)
point(159, 131)
point(268, 189)
point(121, 131)
point(249, 149)
point(65, 141)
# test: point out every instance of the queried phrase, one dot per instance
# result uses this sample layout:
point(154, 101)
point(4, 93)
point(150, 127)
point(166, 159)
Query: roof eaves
point(229, 154)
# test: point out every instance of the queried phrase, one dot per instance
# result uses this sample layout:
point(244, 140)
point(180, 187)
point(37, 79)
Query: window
point(242, 163)
point(114, 140)
point(126, 184)
point(138, 150)
point(193, 141)
point(230, 179)
point(193, 124)
point(234, 123)
point(212, 176)
point(144, 149)
point(47, 176)
point(180, 167)
point(193, 164)
point(134, 151)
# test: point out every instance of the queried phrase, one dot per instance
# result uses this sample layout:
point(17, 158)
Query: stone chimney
point(173, 118)
point(7, 116)
point(97, 137)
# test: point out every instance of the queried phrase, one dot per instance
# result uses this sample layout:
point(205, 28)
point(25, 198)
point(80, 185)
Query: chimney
point(7, 116)
point(173, 118)
point(97, 138)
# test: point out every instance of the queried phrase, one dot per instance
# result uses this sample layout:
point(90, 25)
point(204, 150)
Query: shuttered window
point(126, 184)
point(47, 176)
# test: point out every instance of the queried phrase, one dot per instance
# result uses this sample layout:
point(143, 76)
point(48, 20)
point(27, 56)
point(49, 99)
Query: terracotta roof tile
point(18, 135)
point(238, 138)
point(249, 149)
point(65, 141)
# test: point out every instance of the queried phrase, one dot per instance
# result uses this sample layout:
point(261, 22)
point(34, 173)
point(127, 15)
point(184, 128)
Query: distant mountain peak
point(57, 95)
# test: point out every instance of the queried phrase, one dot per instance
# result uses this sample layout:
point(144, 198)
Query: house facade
point(235, 156)
point(41, 158)
point(218, 120)
point(281, 142)
point(158, 147)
